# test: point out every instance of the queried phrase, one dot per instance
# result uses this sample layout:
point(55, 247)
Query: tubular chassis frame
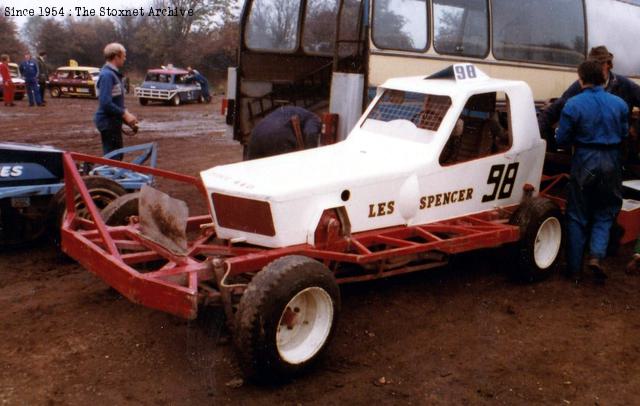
point(217, 271)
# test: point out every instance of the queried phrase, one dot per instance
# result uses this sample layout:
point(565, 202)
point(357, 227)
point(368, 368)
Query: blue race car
point(32, 198)
point(172, 86)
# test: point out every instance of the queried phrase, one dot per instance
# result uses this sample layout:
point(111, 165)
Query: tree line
point(207, 40)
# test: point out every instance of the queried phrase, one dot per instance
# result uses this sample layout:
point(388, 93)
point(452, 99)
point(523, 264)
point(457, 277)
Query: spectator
point(202, 81)
point(7, 82)
point(29, 70)
point(43, 74)
point(616, 84)
point(595, 123)
point(111, 113)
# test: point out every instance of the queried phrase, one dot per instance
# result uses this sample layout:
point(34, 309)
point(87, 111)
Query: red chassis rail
point(214, 270)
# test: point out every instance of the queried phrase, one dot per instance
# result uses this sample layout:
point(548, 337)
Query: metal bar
point(138, 168)
point(360, 246)
point(395, 241)
point(72, 178)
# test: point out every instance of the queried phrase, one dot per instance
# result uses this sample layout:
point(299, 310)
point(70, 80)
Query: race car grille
point(238, 213)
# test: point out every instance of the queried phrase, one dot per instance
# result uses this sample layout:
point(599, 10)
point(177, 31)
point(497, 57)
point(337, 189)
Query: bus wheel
point(540, 222)
point(286, 318)
point(55, 92)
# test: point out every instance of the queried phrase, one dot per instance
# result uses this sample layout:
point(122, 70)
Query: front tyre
point(55, 92)
point(175, 101)
point(143, 101)
point(540, 222)
point(286, 318)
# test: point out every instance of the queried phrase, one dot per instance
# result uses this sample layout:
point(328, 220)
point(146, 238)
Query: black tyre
point(143, 101)
point(118, 212)
point(102, 191)
point(18, 96)
point(175, 101)
point(541, 235)
point(55, 92)
point(286, 318)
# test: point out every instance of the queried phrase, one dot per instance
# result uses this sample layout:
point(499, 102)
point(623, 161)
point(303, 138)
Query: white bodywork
point(381, 163)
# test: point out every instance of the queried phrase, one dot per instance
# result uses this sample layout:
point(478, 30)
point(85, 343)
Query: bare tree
point(10, 43)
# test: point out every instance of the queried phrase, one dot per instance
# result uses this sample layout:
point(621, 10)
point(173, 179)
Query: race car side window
point(483, 129)
point(426, 111)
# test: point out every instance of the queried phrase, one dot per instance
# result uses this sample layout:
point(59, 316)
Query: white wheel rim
point(304, 325)
point(547, 243)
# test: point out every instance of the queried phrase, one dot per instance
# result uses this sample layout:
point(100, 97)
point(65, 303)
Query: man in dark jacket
point(43, 74)
point(275, 134)
point(111, 112)
point(615, 84)
point(594, 122)
point(202, 81)
point(29, 71)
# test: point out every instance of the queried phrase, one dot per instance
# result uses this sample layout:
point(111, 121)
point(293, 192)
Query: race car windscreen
point(425, 111)
point(158, 77)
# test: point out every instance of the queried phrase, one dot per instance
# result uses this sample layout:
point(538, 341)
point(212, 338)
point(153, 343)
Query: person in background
point(276, 133)
point(111, 113)
point(43, 74)
point(616, 84)
point(594, 123)
point(30, 73)
point(7, 82)
point(202, 81)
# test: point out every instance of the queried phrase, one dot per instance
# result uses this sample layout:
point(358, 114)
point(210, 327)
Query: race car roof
point(87, 68)
point(174, 71)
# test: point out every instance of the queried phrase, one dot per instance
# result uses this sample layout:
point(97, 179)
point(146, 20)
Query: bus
point(330, 55)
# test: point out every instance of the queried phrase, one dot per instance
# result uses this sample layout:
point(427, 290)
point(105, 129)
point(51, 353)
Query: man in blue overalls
point(202, 81)
point(595, 123)
point(30, 72)
point(615, 83)
point(111, 113)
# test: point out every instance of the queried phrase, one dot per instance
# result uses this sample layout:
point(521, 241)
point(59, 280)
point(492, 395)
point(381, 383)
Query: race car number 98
point(503, 181)
point(465, 72)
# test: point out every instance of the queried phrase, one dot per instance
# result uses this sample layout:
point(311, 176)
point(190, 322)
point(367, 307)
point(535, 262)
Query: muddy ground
point(464, 334)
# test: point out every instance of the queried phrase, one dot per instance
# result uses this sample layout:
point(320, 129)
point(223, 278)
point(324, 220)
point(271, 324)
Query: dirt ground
point(463, 334)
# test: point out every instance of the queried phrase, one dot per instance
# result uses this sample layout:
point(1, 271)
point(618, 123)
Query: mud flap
point(163, 219)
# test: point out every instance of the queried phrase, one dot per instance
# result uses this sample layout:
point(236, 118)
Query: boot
point(598, 271)
point(634, 265)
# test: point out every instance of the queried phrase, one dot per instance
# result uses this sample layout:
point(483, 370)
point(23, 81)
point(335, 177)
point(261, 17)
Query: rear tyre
point(286, 318)
point(118, 212)
point(540, 222)
point(143, 101)
point(55, 92)
point(102, 191)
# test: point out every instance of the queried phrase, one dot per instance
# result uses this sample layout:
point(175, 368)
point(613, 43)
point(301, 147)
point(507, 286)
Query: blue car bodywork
point(31, 176)
point(173, 86)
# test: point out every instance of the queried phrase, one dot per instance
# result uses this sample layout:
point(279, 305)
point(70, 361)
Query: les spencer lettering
point(426, 202)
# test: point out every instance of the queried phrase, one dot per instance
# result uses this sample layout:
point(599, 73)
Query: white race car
point(427, 149)
point(436, 165)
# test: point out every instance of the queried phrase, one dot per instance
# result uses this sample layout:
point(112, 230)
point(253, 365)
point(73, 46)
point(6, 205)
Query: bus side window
point(461, 28)
point(273, 25)
point(400, 24)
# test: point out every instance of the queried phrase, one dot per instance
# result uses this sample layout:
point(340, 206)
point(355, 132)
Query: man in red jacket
point(7, 83)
